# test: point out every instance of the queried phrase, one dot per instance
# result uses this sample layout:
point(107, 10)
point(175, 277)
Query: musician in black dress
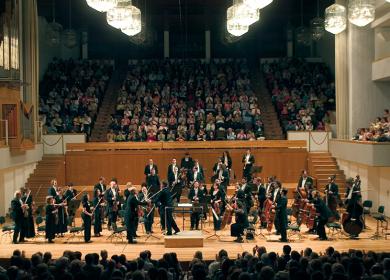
point(98, 205)
point(62, 223)
point(248, 160)
point(221, 173)
point(195, 196)
point(237, 229)
point(29, 227)
point(261, 197)
point(51, 217)
point(87, 218)
point(53, 188)
point(112, 199)
point(153, 182)
point(70, 193)
point(187, 162)
point(17, 213)
point(164, 199)
point(149, 167)
point(148, 210)
point(131, 214)
point(217, 199)
point(324, 213)
point(281, 214)
point(332, 196)
point(101, 186)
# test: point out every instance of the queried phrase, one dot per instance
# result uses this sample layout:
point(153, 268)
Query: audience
point(259, 264)
point(302, 92)
point(70, 94)
point(186, 100)
point(378, 130)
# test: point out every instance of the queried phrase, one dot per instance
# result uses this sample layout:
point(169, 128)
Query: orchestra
point(310, 207)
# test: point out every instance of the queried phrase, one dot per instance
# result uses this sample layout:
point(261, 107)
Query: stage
point(210, 246)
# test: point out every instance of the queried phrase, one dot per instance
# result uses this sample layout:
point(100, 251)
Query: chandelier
point(70, 35)
point(258, 4)
point(361, 12)
point(235, 28)
point(102, 5)
point(135, 25)
point(335, 18)
point(317, 25)
point(121, 16)
point(53, 32)
point(242, 14)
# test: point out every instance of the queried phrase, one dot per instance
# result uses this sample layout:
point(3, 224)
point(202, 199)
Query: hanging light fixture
point(70, 35)
point(102, 5)
point(236, 29)
point(53, 32)
point(121, 16)
point(361, 12)
point(302, 33)
point(242, 14)
point(317, 25)
point(257, 4)
point(335, 18)
point(135, 25)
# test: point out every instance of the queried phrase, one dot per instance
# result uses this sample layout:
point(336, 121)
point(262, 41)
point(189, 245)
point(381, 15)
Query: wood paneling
point(84, 167)
point(96, 146)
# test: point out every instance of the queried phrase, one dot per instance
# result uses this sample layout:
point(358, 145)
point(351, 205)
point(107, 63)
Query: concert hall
point(195, 139)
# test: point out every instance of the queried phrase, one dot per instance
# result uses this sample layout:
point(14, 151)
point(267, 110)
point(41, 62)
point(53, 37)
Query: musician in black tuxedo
point(131, 214)
point(281, 214)
point(153, 182)
point(196, 196)
point(149, 167)
point(237, 229)
point(187, 162)
point(332, 196)
point(29, 225)
point(248, 160)
point(247, 189)
point(304, 179)
point(53, 188)
point(261, 192)
point(227, 160)
point(101, 186)
point(171, 170)
point(112, 198)
point(17, 208)
point(50, 221)
point(277, 192)
point(324, 213)
point(196, 175)
point(176, 184)
point(164, 200)
point(199, 167)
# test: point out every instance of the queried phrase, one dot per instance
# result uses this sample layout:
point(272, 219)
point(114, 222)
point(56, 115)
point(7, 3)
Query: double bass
point(352, 220)
point(270, 213)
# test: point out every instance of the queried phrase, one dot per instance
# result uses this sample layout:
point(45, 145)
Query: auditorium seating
point(302, 92)
point(70, 94)
point(186, 100)
point(257, 264)
point(379, 130)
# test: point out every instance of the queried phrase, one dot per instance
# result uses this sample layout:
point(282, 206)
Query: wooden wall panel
point(84, 167)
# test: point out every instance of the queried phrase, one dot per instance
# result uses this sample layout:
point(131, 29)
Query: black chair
point(292, 228)
point(41, 229)
point(117, 233)
point(7, 230)
point(380, 220)
point(367, 205)
point(74, 231)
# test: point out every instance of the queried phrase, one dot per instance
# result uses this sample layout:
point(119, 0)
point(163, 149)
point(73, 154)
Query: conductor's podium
point(184, 239)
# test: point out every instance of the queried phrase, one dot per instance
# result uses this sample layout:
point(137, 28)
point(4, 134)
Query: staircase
point(272, 128)
point(99, 131)
point(323, 165)
point(48, 168)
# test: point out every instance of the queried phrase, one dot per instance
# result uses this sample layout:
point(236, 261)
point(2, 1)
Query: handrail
point(360, 142)
point(93, 146)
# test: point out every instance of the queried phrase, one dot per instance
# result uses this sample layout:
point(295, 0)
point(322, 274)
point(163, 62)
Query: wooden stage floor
point(211, 246)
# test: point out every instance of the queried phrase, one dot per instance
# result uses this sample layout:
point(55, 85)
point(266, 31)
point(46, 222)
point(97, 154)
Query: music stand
point(74, 204)
point(256, 169)
point(150, 235)
point(215, 231)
